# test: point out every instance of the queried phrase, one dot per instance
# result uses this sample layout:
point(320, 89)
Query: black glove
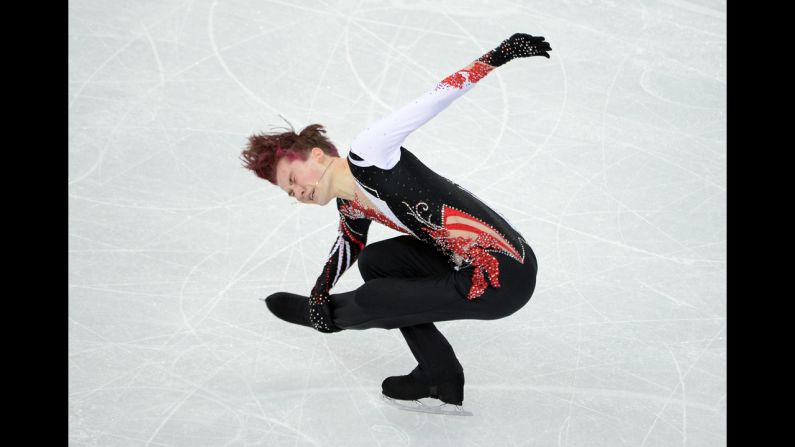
point(518, 45)
point(298, 309)
point(320, 314)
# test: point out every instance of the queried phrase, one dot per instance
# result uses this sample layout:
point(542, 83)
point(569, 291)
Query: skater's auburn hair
point(264, 150)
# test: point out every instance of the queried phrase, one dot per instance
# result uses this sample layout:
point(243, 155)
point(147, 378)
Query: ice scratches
point(573, 388)
point(353, 393)
point(322, 76)
point(99, 69)
point(609, 94)
point(160, 69)
point(698, 9)
point(559, 225)
point(190, 394)
point(681, 384)
point(222, 62)
point(519, 167)
point(674, 300)
point(165, 16)
point(185, 320)
point(208, 307)
point(595, 392)
point(484, 161)
point(349, 59)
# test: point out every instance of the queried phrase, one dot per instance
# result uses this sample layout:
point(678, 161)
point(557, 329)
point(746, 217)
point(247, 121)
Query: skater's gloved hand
point(320, 313)
point(516, 46)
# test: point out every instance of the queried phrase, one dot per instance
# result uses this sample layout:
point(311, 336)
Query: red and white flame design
point(474, 249)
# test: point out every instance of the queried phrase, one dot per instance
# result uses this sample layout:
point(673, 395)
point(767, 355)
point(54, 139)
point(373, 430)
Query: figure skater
point(457, 257)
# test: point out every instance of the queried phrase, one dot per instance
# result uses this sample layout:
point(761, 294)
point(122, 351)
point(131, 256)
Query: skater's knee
point(511, 306)
point(370, 258)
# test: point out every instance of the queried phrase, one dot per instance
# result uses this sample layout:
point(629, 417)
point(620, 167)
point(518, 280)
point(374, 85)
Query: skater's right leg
point(407, 282)
point(404, 278)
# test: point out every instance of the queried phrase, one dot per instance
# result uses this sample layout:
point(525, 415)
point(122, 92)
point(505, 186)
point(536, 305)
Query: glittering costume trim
point(449, 212)
point(349, 210)
point(477, 251)
point(373, 214)
point(472, 74)
point(351, 239)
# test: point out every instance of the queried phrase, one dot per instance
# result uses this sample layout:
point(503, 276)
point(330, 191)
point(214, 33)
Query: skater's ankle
point(438, 376)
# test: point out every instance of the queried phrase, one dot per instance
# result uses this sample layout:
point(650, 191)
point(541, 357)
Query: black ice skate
point(289, 307)
point(404, 392)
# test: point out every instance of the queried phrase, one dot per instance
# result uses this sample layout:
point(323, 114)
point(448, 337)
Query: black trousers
point(409, 285)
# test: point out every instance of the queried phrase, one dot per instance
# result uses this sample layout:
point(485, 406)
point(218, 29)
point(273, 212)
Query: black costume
point(457, 259)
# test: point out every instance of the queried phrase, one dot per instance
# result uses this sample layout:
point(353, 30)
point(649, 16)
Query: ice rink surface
point(610, 158)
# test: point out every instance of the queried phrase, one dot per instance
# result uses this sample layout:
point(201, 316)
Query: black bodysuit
point(413, 199)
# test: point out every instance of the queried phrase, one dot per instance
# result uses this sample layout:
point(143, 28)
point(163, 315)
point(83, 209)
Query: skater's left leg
point(407, 257)
point(403, 257)
point(389, 300)
point(392, 298)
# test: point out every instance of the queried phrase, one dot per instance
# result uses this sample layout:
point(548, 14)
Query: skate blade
point(415, 405)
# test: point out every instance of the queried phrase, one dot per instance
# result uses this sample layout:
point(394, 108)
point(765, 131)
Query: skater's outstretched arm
point(380, 142)
point(351, 239)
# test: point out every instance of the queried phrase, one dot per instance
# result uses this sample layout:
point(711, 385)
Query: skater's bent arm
point(351, 239)
point(380, 143)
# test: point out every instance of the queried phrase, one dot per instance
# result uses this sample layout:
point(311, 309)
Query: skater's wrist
point(320, 315)
point(492, 59)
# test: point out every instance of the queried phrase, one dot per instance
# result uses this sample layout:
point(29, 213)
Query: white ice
point(610, 157)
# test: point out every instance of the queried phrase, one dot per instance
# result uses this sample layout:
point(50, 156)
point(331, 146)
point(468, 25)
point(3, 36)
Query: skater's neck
point(343, 184)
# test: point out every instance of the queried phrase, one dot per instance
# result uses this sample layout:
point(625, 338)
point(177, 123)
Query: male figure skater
point(457, 257)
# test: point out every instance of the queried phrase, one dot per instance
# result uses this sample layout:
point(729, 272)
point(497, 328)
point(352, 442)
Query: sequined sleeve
point(351, 239)
point(380, 143)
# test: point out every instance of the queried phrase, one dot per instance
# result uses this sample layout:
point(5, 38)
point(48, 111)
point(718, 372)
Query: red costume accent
point(473, 249)
point(476, 73)
point(374, 214)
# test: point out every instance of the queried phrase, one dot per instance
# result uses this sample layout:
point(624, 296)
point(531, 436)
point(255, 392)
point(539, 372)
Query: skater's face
point(297, 178)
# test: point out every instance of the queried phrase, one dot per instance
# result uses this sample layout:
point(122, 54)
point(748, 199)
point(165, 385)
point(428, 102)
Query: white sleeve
point(380, 143)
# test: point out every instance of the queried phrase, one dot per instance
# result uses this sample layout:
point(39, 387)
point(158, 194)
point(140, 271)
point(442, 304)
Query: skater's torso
point(362, 201)
point(411, 198)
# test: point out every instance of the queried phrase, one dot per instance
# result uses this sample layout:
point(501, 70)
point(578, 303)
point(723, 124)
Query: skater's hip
point(497, 293)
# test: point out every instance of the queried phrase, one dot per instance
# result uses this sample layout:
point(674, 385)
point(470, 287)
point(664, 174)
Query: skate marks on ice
point(417, 406)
